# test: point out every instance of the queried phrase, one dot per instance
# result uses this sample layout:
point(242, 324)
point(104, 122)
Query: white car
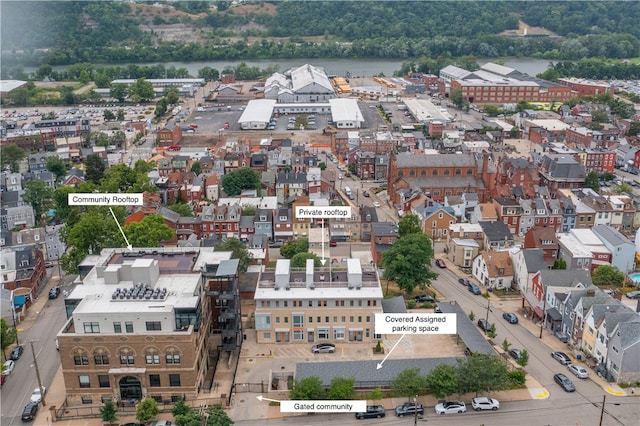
point(579, 371)
point(8, 367)
point(36, 396)
point(484, 403)
point(376, 204)
point(451, 407)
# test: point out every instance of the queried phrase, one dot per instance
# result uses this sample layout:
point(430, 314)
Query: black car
point(463, 281)
point(564, 381)
point(29, 412)
point(424, 298)
point(54, 293)
point(484, 324)
point(373, 412)
point(16, 353)
point(409, 409)
point(275, 244)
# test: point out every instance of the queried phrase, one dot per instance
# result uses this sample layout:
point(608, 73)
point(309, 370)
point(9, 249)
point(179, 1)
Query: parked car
point(16, 353)
point(564, 382)
point(451, 407)
point(409, 409)
point(561, 357)
point(633, 294)
point(474, 289)
point(515, 353)
point(511, 317)
point(464, 281)
point(333, 243)
point(485, 403)
point(484, 324)
point(275, 244)
point(440, 264)
point(8, 367)
point(365, 194)
point(579, 371)
point(29, 412)
point(424, 298)
point(36, 396)
point(373, 412)
point(376, 204)
point(323, 348)
point(54, 293)
point(563, 337)
point(161, 423)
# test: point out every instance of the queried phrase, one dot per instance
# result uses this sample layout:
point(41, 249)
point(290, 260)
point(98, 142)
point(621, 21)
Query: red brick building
point(586, 87)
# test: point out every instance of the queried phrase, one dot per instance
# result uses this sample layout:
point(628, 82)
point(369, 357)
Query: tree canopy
point(307, 389)
point(292, 247)
point(442, 381)
point(408, 262)
point(410, 382)
point(38, 195)
point(147, 409)
point(239, 250)
point(481, 373)
point(149, 232)
point(11, 156)
point(299, 260)
point(607, 275)
point(7, 336)
point(238, 180)
point(409, 224)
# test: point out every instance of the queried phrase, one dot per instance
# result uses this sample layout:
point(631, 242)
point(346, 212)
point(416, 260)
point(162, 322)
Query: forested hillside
point(68, 32)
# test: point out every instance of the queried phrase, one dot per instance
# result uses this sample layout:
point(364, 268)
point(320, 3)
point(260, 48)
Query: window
point(87, 400)
point(81, 360)
point(174, 380)
point(434, 172)
point(91, 327)
point(152, 358)
point(154, 380)
point(128, 326)
point(117, 327)
point(153, 325)
point(172, 358)
point(103, 381)
point(84, 381)
point(338, 333)
point(323, 334)
point(127, 359)
point(101, 359)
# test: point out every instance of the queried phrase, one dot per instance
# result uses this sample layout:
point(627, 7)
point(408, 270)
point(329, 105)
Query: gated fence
point(261, 387)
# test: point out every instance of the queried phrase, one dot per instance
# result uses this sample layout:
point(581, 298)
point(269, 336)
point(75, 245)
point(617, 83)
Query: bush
point(516, 379)
point(411, 304)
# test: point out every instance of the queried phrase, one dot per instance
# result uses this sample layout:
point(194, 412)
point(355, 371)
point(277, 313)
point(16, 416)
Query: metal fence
point(250, 387)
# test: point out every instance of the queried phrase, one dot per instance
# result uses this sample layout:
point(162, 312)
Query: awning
point(538, 311)
point(282, 330)
point(554, 314)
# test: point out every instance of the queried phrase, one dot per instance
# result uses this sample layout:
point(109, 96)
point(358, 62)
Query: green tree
point(56, 166)
point(248, 210)
point(524, 358)
point(408, 262)
point(11, 156)
point(514, 132)
point(209, 74)
point(108, 115)
point(516, 379)
point(94, 168)
point(506, 345)
point(240, 252)
point(141, 90)
point(161, 108)
point(299, 260)
point(7, 336)
point(147, 409)
point(634, 129)
point(342, 388)
point(481, 373)
point(181, 208)
point(409, 224)
point(293, 247)
point(185, 415)
point(624, 188)
point(120, 114)
point(442, 381)
point(180, 408)
point(84, 77)
point(376, 394)
point(238, 180)
point(108, 412)
point(149, 232)
point(322, 165)
point(472, 316)
point(38, 195)
point(196, 168)
point(607, 275)
point(559, 264)
point(172, 96)
point(591, 181)
point(217, 416)
point(458, 99)
point(118, 91)
point(307, 389)
point(409, 382)
point(492, 331)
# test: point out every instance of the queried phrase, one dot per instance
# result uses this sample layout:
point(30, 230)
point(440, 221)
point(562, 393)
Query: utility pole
point(13, 311)
point(35, 364)
point(604, 397)
point(544, 314)
point(487, 317)
point(415, 411)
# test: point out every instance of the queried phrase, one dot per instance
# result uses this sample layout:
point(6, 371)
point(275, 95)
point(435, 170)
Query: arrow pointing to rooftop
point(385, 358)
point(129, 246)
point(323, 260)
point(262, 398)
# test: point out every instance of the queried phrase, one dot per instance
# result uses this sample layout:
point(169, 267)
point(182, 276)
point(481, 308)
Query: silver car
point(323, 348)
point(579, 371)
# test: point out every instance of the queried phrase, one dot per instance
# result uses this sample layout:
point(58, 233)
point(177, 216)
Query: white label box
point(322, 212)
point(419, 323)
point(100, 199)
point(321, 406)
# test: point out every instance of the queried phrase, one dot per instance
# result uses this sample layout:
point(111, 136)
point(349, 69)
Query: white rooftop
point(577, 249)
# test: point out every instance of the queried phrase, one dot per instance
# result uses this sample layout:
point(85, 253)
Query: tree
point(506, 345)
point(299, 260)
point(172, 96)
point(38, 195)
point(94, 168)
point(147, 410)
point(108, 412)
point(322, 165)
point(248, 210)
point(181, 208)
point(307, 389)
point(120, 114)
point(195, 168)
point(56, 166)
point(559, 264)
point(342, 388)
point(238, 180)
point(458, 99)
point(376, 394)
point(185, 415)
point(514, 132)
point(141, 90)
point(624, 188)
point(492, 333)
point(409, 382)
point(7, 336)
point(208, 73)
point(11, 156)
point(607, 275)
point(293, 247)
point(634, 129)
point(409, 224)
point(108, 115)
point(240, 252)
point(481, 373)
point(408, 262)
point(524, 358)
point(118, 91)
point(442, 381)
point(472, 316)
point(149, 232)
point(217, 416)
point(591, 181)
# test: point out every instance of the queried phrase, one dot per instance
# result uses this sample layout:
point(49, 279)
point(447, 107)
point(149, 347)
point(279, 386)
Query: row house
point(221, 221)
point(623, 352)
point(343, 143)
point(543, 238)
point(527, 216)
point(576, 255)
point(22, 267)
point(289, 185)
point(247, 228)
point(559, 171)
point(381, 142)
point(526, 264)
point(601, 254)
point(625, 155)
point(300, 225)
point(603, 211)
point(169, 135)
point(259, 161)
point(192, 193)
point(516, 173)
point(493, 269)
point(622, 249)
point(585, 215)
point(263, 223)
point(383, 235)
point(368, 216)
point(435, 219)
point(623, 213)
point(314, 180)
point(283, 225)
point(541, 300)
point(365, 164)
point(600, 161)
point(441, 175)
point(496, 236)
point(464, 242)
point(183, 226)
point(594, 334)
point(509, 212)
point(569, 214)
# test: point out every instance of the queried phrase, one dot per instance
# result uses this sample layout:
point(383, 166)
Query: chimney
point(591, 292)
